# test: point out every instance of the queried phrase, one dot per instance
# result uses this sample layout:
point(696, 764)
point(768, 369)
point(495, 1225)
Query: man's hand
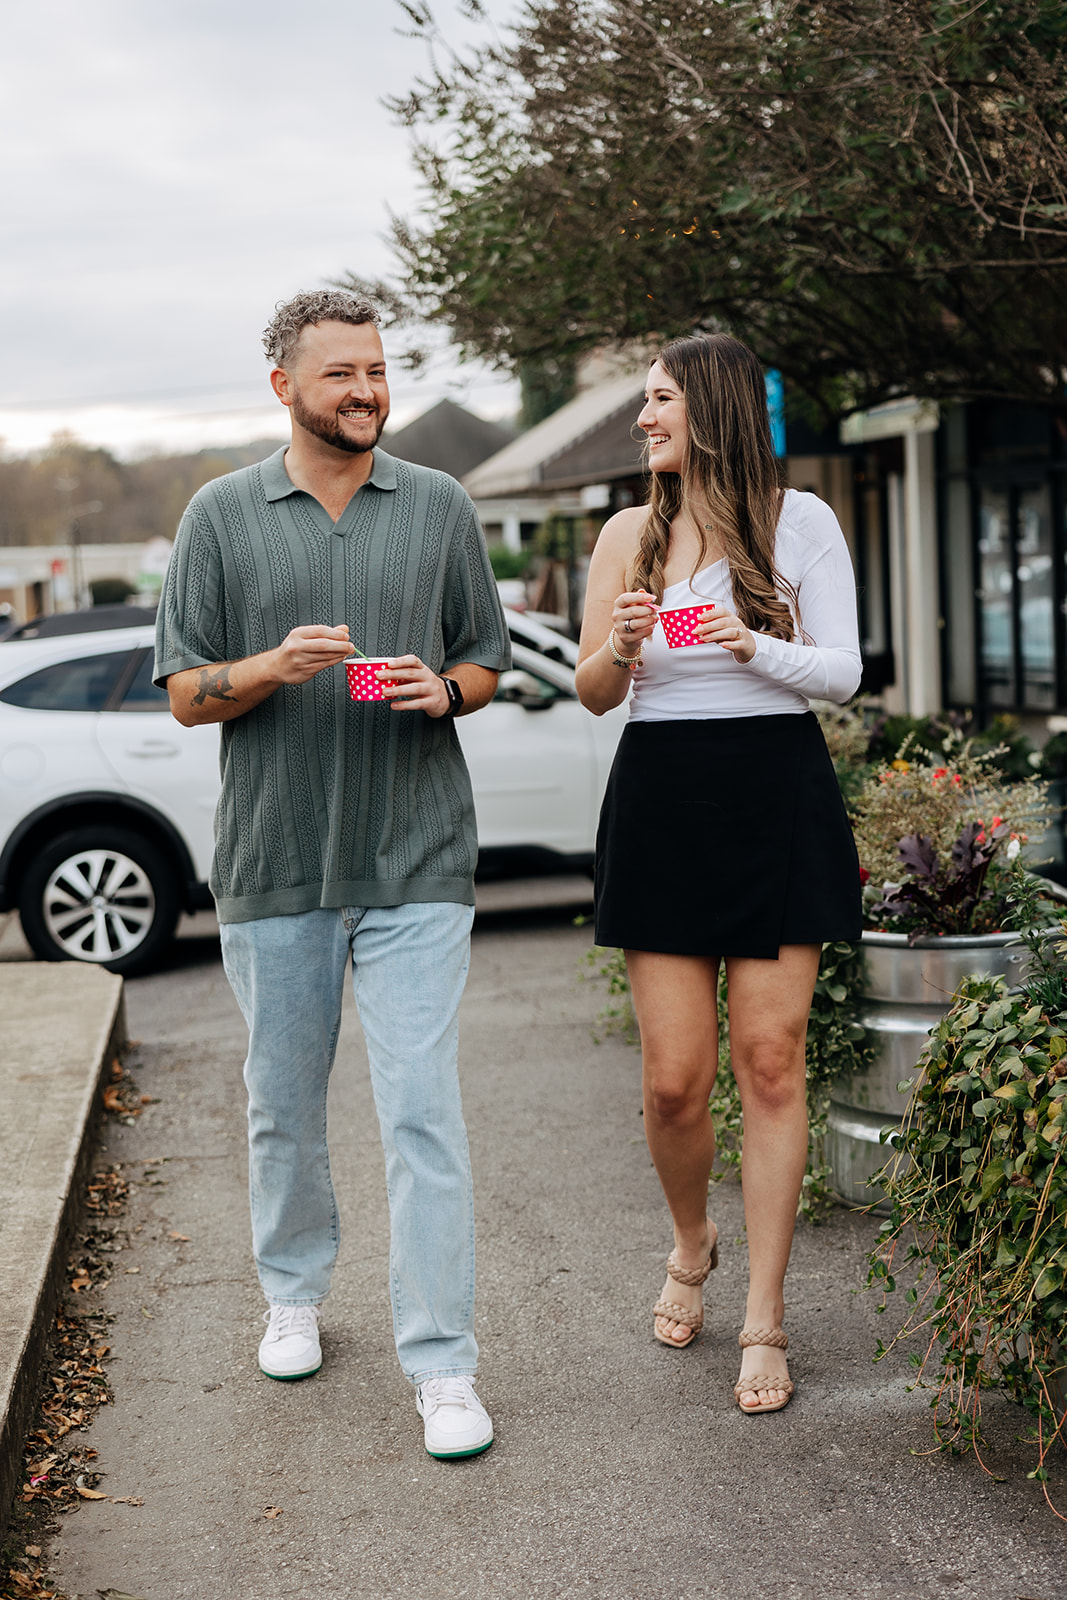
point(413, 686)
point(230, 688)
point(414, 679)
point(306, 651)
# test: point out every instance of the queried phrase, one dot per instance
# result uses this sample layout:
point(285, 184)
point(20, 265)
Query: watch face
point(454, 692)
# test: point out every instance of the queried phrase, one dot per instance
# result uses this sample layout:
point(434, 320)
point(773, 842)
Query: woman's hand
point(722, 627)
point(633, 617)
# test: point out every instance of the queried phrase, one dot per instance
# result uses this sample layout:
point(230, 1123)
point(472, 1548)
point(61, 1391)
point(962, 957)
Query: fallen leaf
point(271, 1512)
point(127, 1500)
point(91, 1494)
point(132, 1272)
point(33, 1550)
point(111, 1098)
point(184, 1237)
point(117, 1594)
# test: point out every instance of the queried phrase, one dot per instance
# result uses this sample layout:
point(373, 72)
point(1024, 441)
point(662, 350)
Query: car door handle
point(152, 749)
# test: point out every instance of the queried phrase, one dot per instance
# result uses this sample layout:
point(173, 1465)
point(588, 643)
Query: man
point(345, 829)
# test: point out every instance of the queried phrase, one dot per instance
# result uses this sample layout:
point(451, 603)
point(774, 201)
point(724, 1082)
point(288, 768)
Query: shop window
point(1016, 596)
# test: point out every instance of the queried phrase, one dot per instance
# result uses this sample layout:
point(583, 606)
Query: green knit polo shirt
point(328, 802)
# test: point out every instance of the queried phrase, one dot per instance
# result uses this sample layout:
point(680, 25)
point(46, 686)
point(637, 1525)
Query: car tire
point(101, 895)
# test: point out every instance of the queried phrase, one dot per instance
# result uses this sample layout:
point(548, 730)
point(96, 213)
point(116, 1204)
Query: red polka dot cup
point(363, 681)
point(680, 624)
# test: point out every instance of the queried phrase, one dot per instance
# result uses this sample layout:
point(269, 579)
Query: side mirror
point(521, 688)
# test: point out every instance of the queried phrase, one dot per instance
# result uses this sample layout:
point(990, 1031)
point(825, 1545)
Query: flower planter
point(907, 992)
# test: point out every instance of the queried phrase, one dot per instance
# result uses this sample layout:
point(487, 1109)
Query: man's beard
point(327, 428)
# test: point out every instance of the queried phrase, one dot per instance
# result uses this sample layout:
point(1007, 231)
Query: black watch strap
point(455, 695)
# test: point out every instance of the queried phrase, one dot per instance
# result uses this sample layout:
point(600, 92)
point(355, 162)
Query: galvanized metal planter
point(908, 990)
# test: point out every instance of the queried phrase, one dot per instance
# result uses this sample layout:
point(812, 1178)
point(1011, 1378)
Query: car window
point(142, 695)
point(84, 684)
point(521, 685)
point(550, 650)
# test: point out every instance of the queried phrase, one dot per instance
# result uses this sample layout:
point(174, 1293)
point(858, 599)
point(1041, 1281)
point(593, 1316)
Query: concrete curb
point(62, 1025)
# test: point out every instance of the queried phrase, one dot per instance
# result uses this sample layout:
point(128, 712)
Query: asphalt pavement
point(620, 1468)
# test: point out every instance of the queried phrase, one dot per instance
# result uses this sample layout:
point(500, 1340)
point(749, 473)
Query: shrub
point(979, 1198)
point(507, 563)
point(937, 834)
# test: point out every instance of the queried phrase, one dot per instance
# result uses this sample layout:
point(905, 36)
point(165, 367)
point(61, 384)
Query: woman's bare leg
point(769, 1003)
point(675, 1001)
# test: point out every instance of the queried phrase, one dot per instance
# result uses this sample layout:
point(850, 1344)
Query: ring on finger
point(628, 625)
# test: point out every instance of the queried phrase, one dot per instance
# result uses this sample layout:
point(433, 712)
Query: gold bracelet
point(630, 663)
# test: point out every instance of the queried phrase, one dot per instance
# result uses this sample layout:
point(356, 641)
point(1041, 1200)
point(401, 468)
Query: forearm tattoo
point(214, 685)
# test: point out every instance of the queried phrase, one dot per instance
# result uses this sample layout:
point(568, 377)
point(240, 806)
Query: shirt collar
point(277, 483)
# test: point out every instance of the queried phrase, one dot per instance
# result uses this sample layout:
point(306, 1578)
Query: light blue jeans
point(409, 966)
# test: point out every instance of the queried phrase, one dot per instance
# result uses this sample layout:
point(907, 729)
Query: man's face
point(335, 385)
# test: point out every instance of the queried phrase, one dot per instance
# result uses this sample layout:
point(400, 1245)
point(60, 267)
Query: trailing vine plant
point(979, 1196)
point(837, 1043)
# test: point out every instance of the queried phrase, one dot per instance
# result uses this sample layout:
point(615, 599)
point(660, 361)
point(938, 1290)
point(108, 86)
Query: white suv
point(107, 803)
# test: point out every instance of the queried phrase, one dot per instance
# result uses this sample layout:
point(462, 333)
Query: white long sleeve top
point(703, 681)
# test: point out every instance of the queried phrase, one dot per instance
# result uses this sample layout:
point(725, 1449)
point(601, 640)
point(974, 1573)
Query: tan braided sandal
point(693, 1320)
point(776, 1340)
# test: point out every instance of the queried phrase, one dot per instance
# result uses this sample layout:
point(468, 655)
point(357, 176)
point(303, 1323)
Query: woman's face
point(663, 419)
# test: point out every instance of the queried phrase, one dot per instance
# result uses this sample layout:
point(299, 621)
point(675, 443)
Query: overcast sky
point(168, 173)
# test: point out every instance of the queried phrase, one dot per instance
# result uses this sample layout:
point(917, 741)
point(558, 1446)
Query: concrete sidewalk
point(62, 1025)
point(621, 1469)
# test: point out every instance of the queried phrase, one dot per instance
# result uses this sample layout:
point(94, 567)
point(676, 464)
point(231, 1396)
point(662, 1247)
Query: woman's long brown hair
point(729, 471)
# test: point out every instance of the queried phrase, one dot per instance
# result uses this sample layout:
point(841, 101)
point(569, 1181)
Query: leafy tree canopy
point(873, 193)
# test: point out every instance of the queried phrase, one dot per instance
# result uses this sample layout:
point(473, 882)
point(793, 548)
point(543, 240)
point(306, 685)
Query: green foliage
point(1054, 758)
point(837, 1042)
point(618, 1015)
point(863, 740)
point(934, 798)
point(508, 563)
point(1011, 750)
point(979, 1197)
point(872, 195)
point(558, 538)
point(545, 386)
point(110, 591)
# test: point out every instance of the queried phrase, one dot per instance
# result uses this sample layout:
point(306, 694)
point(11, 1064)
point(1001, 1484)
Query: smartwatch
point(455, 695)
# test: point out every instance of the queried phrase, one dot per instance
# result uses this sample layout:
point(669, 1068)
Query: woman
point(723, 836)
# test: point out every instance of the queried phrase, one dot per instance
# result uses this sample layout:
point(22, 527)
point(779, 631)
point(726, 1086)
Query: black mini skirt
point(725, 838)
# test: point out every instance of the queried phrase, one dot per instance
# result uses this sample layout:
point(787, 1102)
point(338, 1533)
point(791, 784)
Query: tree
point(873, 193)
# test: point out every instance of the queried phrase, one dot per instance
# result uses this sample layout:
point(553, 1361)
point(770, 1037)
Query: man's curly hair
point(291, 317)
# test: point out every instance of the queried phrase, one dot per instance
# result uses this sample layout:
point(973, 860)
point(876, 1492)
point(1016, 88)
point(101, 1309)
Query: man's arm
point(228, 689)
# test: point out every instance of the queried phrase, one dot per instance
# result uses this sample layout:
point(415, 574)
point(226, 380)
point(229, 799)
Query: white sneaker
point(290, 1347)
point(457, 1424)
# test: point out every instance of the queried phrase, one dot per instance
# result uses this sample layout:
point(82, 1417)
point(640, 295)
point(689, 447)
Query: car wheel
point(103, 895)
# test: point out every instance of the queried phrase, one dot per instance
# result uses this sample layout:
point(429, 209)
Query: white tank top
point(702, 681)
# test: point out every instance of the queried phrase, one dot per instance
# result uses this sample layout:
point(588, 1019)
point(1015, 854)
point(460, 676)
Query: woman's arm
point(830, 667)
point(601, 683)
